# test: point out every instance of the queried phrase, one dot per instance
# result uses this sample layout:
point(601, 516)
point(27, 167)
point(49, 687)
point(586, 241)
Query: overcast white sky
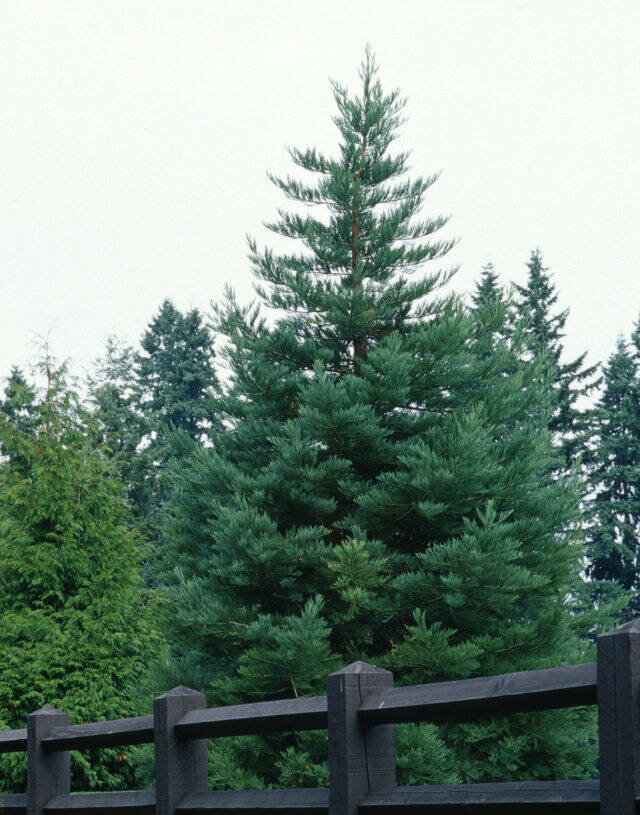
point(135, 137)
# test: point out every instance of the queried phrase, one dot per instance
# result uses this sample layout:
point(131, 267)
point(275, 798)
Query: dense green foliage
point(74, 630)
point(614, 472)
point(174, 373)
point(384, 487)
point(488, 290)
point(142, 397)
point(390, 473)
point(122, 427)
point(545, 331)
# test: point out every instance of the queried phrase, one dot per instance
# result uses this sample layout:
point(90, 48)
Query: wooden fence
point(359, 711)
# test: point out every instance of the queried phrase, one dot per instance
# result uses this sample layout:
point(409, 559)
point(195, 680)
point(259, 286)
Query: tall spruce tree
point(175, 374)
point(176, 386)
point(142, 399)
point(614, 472)
point(18, 398)
point(382, 489)
point(121, 426)
point(74, 632)
point(545, 332)
point(488, 289)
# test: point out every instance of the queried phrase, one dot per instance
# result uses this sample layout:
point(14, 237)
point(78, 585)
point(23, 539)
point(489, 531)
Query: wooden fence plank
point(549, 797)
point(13, 741)
point(136, 730)
point(568, 686)
point(308, 713)
point(12, 804)
point(267, 802)
point(96, 803)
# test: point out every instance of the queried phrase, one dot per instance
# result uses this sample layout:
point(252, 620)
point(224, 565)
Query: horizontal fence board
point(137, 730)
point(308, 713)
point(13, 804)
point(464, 699)
point(13, 741)
point(549, 797)
point(265, 802)
point(95, 803)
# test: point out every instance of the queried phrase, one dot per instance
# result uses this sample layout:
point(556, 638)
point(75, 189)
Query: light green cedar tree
point(75, 629)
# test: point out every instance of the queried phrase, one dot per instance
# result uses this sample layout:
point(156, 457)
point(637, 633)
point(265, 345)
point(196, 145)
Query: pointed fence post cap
point(632, 627)
point(48, 710)
point(179, 690)
point(360, 667)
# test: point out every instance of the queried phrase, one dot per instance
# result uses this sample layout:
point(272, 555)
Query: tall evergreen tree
point(545, 332)
point(17, 405)
point(176, 387)
point(614, 472)
point(18, 398)
point(121, 426)
point(74, 632)
point(142, 399)
point(381, 491)
point(175, 372)
point(488, 289)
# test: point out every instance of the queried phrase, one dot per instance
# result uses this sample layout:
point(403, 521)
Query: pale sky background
point(135, 137)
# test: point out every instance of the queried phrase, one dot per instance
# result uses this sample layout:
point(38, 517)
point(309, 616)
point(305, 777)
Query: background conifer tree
point(17, 406)
point(74, 630)
point(18, 398)
point(142, 399)
point(385, 487)
point(176, 384)
point(614, 473)
point(122, 428)
point(488, 289)
point(175, 373)
point(545, 332)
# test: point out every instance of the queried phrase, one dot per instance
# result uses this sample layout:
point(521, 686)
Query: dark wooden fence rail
point(360, 710)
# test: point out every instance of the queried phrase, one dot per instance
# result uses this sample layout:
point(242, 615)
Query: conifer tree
point(17, 404)
point(143, 398)
point(176, 385)
point(545, 333)
point(18, 398)
point(488, 289)
point(614, 473)
point(382, 490)
point(175, 373)
point(122, 428)
point(74, 632)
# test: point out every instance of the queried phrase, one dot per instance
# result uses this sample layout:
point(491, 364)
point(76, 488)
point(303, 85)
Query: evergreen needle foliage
point(385, 486)
point(74, 628)
point(121, 426)
point(614, 473)
point(141, 398)
point(545, 332)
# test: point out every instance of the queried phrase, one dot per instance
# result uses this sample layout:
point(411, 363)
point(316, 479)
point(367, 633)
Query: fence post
point(619, 718)
point(181, 765)
point(48, 774)
point(361, 759)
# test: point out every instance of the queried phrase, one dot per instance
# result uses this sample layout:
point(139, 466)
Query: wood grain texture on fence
point(259, 717)
point(13, 741)
point(463, 699)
